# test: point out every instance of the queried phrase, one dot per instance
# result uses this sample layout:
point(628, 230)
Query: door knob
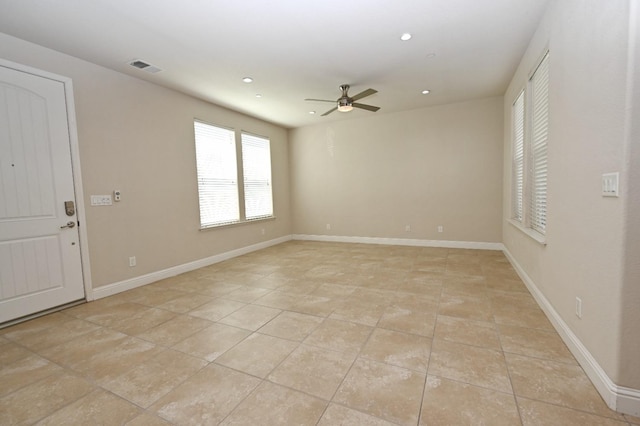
point(69, 224)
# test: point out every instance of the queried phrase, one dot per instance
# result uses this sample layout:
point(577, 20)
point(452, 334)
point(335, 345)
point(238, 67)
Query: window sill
point(536, 236)
point(238, 223)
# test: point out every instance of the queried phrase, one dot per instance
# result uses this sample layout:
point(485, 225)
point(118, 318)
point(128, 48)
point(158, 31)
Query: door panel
point(40, 265)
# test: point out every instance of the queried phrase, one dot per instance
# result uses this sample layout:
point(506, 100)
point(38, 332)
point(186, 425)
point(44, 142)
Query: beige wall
point(588, 43)
point(372, 176)
point(138, 137)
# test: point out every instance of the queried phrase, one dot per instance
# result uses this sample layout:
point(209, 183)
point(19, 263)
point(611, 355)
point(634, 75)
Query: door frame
point(75, 166)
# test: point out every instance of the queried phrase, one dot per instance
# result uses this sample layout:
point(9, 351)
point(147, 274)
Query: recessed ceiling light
point(405, 37)
point(247, 79)
point(312, 112)
point(431, 55)
point(258, 95)
point(426, 92)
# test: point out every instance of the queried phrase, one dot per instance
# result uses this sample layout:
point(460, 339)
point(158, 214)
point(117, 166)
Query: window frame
point(239, 177)
point(533, 189)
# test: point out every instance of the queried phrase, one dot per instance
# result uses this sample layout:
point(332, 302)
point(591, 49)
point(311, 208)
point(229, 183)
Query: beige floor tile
point(22, 330)
point(409, 318)
point(175, 330)
point(291, 325)
point(477, 366)
point(273, 405)
point(216, 309)
point(155, 377)
point(214, 288)
point(315, 305)
point(258, 354)
point(147, 419)
point(530, 318)
point(156, 297)
point(207, 397)
point(456, 288)
point(381, 390)
point(40, 399)
point(144, 320)
point(514, 300)
point(496, 283)
point(107, 315)
point(251, 317)
point(97, 405)
point(247, 294)
point(299, 286)
point(632, 419)
point(313, 370)
point(333, 291)
point(365, 313)
point(399, 349)
point(536, 413)
point(24, 371)
point(118, 359)
point(557, 383)
point(213, 341)
point(84, 348)
point(534, 343)
point(447, 402)
point(11, 352)
point(185, 302)
point(474, 333)
point(339, 335)
point(338, 415)
point(280, 300)
point(463, 268)
point(467, 307)
point(55, 335)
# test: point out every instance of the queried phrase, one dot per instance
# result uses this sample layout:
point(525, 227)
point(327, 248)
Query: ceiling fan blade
point(367, 107)
point(364, 94)
point(329, 112)
point(320, 100)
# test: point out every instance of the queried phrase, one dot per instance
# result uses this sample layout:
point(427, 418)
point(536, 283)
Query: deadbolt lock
point(69, 208)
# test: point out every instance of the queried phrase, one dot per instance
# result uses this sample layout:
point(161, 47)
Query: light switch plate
point(610, 184)
point(101, 200)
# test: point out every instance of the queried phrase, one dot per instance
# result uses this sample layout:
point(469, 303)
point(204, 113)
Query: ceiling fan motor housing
point(345, 101)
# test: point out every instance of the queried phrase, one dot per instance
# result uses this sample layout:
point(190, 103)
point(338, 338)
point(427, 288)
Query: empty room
point(320, 213)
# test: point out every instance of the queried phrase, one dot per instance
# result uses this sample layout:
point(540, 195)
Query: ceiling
point(293, 49)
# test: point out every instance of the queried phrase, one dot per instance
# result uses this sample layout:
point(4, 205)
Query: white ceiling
point(293, 49)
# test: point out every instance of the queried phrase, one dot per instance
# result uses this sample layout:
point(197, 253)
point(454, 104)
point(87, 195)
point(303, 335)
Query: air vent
point(145, 66)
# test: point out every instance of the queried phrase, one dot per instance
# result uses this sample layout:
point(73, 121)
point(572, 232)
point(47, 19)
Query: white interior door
point(40, 263)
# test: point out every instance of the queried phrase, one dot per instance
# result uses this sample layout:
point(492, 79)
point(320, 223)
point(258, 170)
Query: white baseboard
point(400, 242)
point(118, 287)
point(618, 398)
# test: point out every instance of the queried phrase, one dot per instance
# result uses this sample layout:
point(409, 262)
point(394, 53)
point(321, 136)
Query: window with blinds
point(530, 131)
point(517, 168)
point(256, 167)
point(217, 173)
point(539, 85)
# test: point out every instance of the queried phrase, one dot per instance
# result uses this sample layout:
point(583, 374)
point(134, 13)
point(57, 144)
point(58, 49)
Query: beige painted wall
point(138, 137)
point(370, 177)
point(585, 232)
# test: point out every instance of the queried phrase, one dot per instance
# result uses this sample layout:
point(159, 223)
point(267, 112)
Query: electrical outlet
point(101, 200)
point(578, 307)
point(440, 228)
point(610, 184)
point(407, 228)
point(262, 231)
point(328, 227)
point(132, 261)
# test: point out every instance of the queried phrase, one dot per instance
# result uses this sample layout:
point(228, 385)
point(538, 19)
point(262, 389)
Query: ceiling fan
point(346, 103)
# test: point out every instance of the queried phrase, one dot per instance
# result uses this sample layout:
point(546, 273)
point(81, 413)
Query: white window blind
point(517, 116)
point(217, 174)
point(538, 154)
point(256, 166)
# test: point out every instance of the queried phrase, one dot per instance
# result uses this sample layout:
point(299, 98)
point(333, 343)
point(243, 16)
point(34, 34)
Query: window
point(217, 174)
point(218, 169)
point(530, 127)
point(256, 165)
point(517, 167)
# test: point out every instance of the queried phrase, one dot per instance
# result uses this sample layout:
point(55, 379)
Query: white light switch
point(101, 200)
point(610, 184)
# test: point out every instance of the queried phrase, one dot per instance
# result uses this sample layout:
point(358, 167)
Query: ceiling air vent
point(144, 66)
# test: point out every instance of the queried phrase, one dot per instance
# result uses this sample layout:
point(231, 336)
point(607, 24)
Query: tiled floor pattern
point(305, 334)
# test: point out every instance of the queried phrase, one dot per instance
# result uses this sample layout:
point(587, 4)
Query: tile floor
point(305, 333)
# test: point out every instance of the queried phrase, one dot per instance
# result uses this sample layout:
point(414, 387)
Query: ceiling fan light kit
point(345, 103)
